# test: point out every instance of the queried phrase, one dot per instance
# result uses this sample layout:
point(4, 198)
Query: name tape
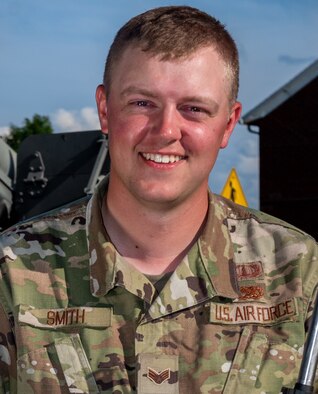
point(253, 312)
point(65, 317)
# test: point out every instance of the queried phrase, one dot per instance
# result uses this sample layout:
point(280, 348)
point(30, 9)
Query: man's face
point(166, 122)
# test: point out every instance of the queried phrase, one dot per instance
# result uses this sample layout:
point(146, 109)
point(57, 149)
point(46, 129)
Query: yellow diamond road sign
point(233, 189)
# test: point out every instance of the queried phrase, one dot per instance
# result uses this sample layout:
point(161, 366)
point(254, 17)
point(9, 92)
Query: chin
point(159, 198)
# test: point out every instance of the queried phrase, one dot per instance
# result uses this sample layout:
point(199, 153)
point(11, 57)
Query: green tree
point(38, 125)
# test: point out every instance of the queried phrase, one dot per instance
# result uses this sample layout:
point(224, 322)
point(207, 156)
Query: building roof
point(281, 95)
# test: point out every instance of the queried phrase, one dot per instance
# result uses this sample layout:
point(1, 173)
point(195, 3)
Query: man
point(176, 290)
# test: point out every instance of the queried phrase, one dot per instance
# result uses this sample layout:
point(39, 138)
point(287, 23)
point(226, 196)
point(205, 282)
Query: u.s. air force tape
point(253, 312)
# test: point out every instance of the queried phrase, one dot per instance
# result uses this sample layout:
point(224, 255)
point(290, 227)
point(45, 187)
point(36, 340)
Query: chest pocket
point(60, 365)
point(261, 366)
point(268, 353)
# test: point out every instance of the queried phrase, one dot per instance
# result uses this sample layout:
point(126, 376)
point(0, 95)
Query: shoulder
point(249, 217)
point(283, 250)
point(47, 229)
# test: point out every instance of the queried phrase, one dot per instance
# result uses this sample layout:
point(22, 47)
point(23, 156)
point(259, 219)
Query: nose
point(168, 124)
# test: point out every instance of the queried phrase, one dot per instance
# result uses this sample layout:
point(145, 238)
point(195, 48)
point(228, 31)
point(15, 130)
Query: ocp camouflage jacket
point(76, 318)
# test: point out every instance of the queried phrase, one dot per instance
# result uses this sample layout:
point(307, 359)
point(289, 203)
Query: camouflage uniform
point(76, 318)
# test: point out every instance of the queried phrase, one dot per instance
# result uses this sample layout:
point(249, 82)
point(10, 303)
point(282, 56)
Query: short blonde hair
point(174, 32)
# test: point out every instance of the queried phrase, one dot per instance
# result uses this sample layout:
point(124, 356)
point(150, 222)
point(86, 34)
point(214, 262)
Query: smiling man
point(155, 284)
point(165, 130)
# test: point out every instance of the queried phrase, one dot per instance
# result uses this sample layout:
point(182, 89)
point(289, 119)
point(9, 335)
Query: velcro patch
point(252, 292)
point(157, 373)
point(253, 312)
point(247, 271)
point(65, 317)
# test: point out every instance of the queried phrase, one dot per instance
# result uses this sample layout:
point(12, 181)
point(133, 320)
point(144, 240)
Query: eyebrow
point(135, 89)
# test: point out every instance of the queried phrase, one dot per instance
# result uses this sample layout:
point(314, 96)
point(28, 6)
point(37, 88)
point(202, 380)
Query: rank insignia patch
point(157, 373)
point(158, 377)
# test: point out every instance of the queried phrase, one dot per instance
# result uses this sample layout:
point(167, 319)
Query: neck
point(154, 241)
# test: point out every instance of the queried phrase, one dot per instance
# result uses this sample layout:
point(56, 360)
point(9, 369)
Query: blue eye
point(195, 109)
point(141, 103)
point(192, 109)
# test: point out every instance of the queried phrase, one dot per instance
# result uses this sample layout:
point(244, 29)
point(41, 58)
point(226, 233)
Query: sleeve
point(311, 318)
point(8, 349)
point(8, 354)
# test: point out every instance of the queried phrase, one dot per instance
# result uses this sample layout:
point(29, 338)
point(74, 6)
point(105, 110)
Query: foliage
point(38, 125)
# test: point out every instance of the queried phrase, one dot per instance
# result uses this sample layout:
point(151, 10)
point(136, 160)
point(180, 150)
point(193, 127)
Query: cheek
point(119, 136)
point(127, 131)
point(216, 137)
point(123, 138)
point(203, 141)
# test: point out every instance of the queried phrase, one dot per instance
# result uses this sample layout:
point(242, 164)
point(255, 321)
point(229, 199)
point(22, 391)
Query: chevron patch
point(157, 373)
point(158, 377)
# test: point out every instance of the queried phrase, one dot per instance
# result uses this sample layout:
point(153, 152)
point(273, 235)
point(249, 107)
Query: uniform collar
point(107, 268)
point(214, 247)
point(102, 254)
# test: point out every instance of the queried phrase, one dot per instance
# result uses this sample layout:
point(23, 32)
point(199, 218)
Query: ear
point(233, 119)
point(101, 102)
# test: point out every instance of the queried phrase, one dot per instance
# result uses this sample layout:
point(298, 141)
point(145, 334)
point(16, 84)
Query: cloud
point(76, 120)
point(4, 130)
point(247, 152)
point(294, 60)
point(90, 116)
point(248, 165)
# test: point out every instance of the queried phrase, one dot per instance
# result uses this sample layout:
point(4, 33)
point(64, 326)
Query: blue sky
point(52, 56)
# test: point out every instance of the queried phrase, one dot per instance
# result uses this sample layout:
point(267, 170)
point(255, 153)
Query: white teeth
point(161, 158)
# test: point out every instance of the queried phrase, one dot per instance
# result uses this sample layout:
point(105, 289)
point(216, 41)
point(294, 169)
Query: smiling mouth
point(166, 159)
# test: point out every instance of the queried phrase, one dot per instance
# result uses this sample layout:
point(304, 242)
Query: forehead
point(200, 67)
point(133, 56)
